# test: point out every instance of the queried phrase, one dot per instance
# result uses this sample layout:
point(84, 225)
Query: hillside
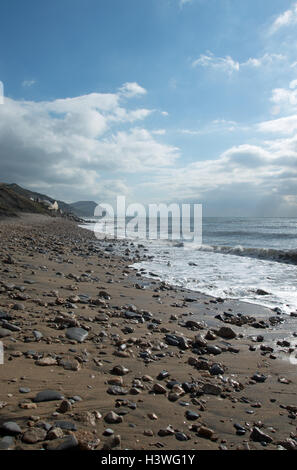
point(14, 199)
point(83, 208)
point(12, 202)
point(28, 194)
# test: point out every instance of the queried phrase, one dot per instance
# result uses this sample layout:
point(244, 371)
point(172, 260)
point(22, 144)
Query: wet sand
point(55, 276)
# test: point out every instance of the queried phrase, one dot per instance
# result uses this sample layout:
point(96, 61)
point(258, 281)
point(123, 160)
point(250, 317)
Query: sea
point(248, 259)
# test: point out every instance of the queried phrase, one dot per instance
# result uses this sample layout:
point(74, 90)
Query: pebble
point(240, 430)
point(18, 306)
point(112, 443)
point(216, 369)
point(48, 395)
point(28, 406)
point(115, 381)
point(173, 396)
point(77, 334)
point(163, 375)
point(179, 341)
point(54, 433)
point(180, 436)
point(113, 418)
point(7, 443)
point(4, 332)
point(210, 336)
point(37, 335)
point(10, 326)
point(64, 407)
point(158, 388)
point(65, 443)
point(184, 403)
point(46, 361)
point(191, 415)
point(211, 389)
point(120, 370)
point(65, 425)
point(34, 435)
point(205, 432)
point(76, 398)
point(11, 428)
point(226, 333)
point(115, 390)
point(288, 444)
point(259, 377)
point(211, 349)
point(258, 436)
point(73, 365)
point(199, 342)
point(169, 431)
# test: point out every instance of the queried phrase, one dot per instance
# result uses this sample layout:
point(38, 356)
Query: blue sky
point(158, 100)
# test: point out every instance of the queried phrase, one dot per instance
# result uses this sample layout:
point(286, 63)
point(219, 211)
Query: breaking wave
point(270, 254)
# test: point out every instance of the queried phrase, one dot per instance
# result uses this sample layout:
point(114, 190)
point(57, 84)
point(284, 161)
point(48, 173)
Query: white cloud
point(285, 125)
point(71, 145)
point(266, 59)
point(135, 151)
point(93, 146)
point(287, 18)
point(216, 126)
point(28, 83)
point(122, 115)
point(159, 132)
point(293, 84)
point(226, 64)
point(260, 177)
point(284, 99)
point(131, 89)
point(229, 65)
point(184, 2)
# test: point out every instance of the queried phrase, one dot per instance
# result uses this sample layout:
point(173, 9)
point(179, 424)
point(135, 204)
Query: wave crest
point(271, 254)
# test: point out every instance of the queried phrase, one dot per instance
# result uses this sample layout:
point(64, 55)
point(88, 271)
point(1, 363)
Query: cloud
point(226, 64)
point(72, 145)
point(28, 83)
point(248, 156)
point(287, 18)
point(253, 175)
point(284, 99)
point(130, 90)
point(215, 126)
point(285, 125)
point(266, 59)
point(229, 65)
point(293, 84)
point(91, 146)
point(184, 2)
point(159, 132)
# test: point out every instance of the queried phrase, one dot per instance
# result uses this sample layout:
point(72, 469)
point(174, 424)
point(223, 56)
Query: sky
point(155, 100)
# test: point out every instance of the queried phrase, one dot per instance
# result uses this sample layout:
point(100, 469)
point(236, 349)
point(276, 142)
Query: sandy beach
point(96, 357)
